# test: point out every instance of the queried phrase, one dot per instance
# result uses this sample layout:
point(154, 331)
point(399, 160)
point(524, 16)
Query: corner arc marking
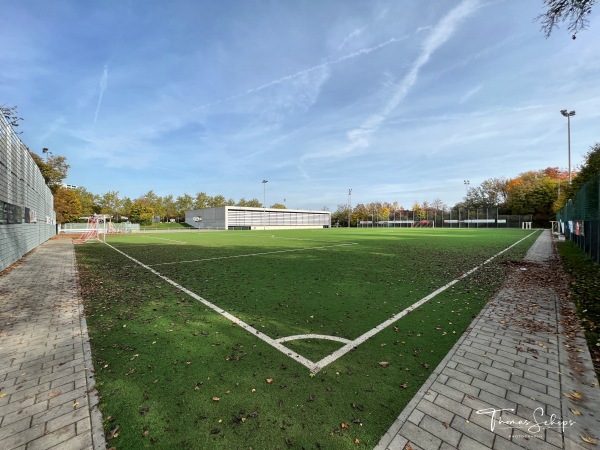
point(325, 337)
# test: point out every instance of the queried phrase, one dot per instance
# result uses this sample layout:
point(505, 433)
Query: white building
point(247, 218)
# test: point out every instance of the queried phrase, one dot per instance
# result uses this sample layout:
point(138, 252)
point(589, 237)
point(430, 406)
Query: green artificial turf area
point(174, 373)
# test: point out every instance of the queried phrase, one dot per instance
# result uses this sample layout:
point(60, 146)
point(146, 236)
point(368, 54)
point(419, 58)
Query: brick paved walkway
point(517, 356)
point(46, 383)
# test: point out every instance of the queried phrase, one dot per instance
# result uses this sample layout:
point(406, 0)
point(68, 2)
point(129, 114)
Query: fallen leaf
point(384, 363)
point(356, 441)
point(269, 380)
point(589, 439)
point(4, 395)
point(145, 433)
point(113, 433)
point(408, 447)
point(358, 406)
point(133, 357)
point(404, 385)
point(445, 424)
point(573, 395)
point(143, 411)
point(344, 425)
point(215, 431)
point(575, 411)
point(75, 404)
point(215, 399)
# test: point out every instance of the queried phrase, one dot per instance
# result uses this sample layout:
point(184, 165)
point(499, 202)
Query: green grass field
point(174, 373)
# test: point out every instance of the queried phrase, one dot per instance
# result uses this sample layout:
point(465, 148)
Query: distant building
point(247, 218)
point(68, 186)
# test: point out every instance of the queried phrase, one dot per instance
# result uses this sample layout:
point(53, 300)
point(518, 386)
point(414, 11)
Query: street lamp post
point(467, 183)
point(568, 115)
point(349, 205)
point(264, 183)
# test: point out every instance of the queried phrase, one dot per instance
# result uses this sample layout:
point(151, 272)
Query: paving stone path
point(47, 397)
point(522, 355)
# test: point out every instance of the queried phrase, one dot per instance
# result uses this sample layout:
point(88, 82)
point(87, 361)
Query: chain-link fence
point(579, 219)
point(455, 218)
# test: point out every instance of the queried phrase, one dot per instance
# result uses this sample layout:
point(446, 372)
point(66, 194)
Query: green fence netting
point(580, 218)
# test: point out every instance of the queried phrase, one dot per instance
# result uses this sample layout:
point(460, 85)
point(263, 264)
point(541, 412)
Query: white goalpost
point(97, 225)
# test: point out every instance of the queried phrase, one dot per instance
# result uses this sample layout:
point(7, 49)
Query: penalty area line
point(253, 254)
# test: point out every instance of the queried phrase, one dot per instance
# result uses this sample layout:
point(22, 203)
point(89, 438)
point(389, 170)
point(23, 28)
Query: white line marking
point(165, 239)
point(153, 237)
point(359, 340)
point(313, 336)
point(252, 254)
point(276, 343)
point(301, 359)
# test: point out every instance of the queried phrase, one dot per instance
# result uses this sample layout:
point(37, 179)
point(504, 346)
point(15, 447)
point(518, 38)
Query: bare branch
point(575, 12)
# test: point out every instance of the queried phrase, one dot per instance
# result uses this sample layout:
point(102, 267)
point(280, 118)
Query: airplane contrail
point(364, 51)
point(103, 83)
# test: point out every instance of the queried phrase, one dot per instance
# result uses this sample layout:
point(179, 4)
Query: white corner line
point(283, 349)
point(350, 345)
point(359, 340)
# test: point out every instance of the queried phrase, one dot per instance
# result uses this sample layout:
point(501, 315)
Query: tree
point(67, 205)
point(254, 203)
point(153, 202)
point(110, 204)
point(278, 206)
point(361, 212)
point(184, 203)
point(588, 170)
point(89, 201)
point(420, 212)
point(534, 193)
point(439, 205)
point(170, 209)
point(125, 208)
point(340, 215)
point(202, 200)
point(54, 169)
point(11, 115)
point(217, 200)
point(490, 194)
point(141, 212)
point(574, 12)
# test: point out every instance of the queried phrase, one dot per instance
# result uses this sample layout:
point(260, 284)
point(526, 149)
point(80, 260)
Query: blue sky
point(396, 100)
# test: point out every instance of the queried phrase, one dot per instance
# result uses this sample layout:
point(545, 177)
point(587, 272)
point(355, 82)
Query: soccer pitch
point(314, 311)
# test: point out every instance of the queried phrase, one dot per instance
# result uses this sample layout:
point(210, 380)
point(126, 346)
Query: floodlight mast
point(467, 183)
point(349, 206)
point(568, 116)
point(264, 183)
